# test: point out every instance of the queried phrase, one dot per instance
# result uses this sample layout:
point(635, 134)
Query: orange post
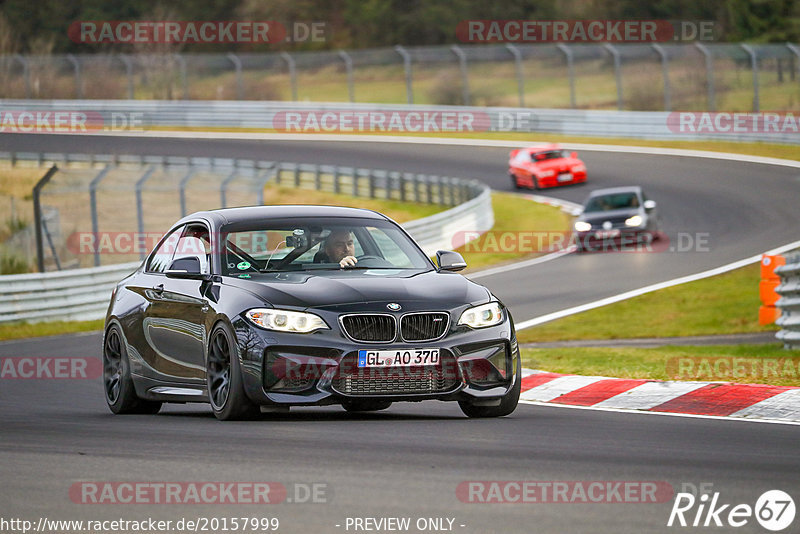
point(768, 313)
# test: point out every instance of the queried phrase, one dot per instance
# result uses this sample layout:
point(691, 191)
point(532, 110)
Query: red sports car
point(541, 166)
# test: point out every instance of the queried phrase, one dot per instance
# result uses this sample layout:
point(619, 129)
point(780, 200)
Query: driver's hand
point(348, 261)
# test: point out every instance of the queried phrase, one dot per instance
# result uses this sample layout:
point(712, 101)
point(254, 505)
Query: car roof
point(226, 216)
point(615, 190)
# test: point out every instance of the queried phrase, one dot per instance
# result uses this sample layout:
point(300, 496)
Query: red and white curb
point(753, 402)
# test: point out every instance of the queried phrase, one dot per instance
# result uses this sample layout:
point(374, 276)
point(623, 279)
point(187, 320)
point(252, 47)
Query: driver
point(339, 248)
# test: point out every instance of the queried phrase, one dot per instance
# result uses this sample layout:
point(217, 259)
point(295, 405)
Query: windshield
point(618, 201)
point(550, 154)
point(305, 244)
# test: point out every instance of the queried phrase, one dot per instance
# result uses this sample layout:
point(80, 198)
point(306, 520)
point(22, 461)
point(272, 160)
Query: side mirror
point(538, 157)
point(450, 261)
point(188, 267)
point(649, 204)
point(573, 155)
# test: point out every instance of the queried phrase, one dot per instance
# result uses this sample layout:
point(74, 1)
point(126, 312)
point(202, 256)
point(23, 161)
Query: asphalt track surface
point(408, 461)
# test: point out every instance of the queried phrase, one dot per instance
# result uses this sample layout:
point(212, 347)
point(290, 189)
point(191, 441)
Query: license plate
point(606, 234)
point(565, 177)
point(398, 358)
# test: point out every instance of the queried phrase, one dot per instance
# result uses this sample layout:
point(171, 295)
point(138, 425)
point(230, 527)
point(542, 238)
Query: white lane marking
point(500, 143)
point(650, 394)
point(648, 289)
point(520, 264)
point(558, 386)
point(663, 414)
point(784, 405)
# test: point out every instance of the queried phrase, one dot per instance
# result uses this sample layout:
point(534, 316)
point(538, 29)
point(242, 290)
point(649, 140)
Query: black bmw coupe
point(257, 309)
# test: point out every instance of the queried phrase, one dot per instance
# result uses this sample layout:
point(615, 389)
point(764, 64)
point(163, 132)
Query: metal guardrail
point(83, 294)
point(789, 302)
point(109, 115)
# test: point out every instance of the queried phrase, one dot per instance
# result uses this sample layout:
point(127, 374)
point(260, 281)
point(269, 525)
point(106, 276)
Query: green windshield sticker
point(243, 265)
point(245, 275)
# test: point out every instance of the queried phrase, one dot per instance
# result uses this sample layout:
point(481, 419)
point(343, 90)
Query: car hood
point(600, 216)
point(426, 290)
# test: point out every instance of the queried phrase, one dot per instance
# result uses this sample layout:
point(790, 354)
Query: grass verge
point(723, 304)
point(25, 330)
point(747, 364)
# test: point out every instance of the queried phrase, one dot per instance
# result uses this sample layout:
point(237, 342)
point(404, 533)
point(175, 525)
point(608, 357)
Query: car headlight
point(482, 316)
point(578, 168)
point(582, 226)
point(547, 174)
point(285, 320)
point(636, 220)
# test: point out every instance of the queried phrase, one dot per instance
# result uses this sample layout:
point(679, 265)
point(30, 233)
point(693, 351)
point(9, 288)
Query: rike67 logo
point(774, 510)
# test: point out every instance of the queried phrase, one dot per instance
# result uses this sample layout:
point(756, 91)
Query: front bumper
point(320, 368)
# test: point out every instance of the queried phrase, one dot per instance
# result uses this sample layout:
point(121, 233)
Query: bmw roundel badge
point(394, 306)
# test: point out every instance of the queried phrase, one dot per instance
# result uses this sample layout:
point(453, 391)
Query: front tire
point(507, 405)
point(515, 181)
point(120, 392)
point(226, 394)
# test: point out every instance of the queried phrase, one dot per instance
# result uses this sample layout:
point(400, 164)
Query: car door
point(174, 323)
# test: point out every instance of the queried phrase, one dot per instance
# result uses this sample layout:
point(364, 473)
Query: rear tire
point(507, 405)
point(365, 405)
point(226, 394)
point(514, 181)
point(120, 392)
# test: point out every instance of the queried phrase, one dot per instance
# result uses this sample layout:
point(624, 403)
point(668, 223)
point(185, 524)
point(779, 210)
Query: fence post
point(26, 73)
point(355, 182)
point(317, 178)
point(237, 63)
point(336, 180)
point(570, 71)
point(462, 62)
point(139, 210)
point(182, 188)
point(292, 73)
point(223, 188)
point(665, 73)
point(709, 74)
point(268, 173)
point(128, 73)
point(407, 67)
point(37, 215)
point(76, 65)
point(93, 206)
point(617, 71)
point(348, 65)
point(754, 65)
point(184, 79)
point(796, 51)
point(518, 67)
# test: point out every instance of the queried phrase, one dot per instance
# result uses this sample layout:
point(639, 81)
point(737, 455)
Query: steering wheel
point(372, 261)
